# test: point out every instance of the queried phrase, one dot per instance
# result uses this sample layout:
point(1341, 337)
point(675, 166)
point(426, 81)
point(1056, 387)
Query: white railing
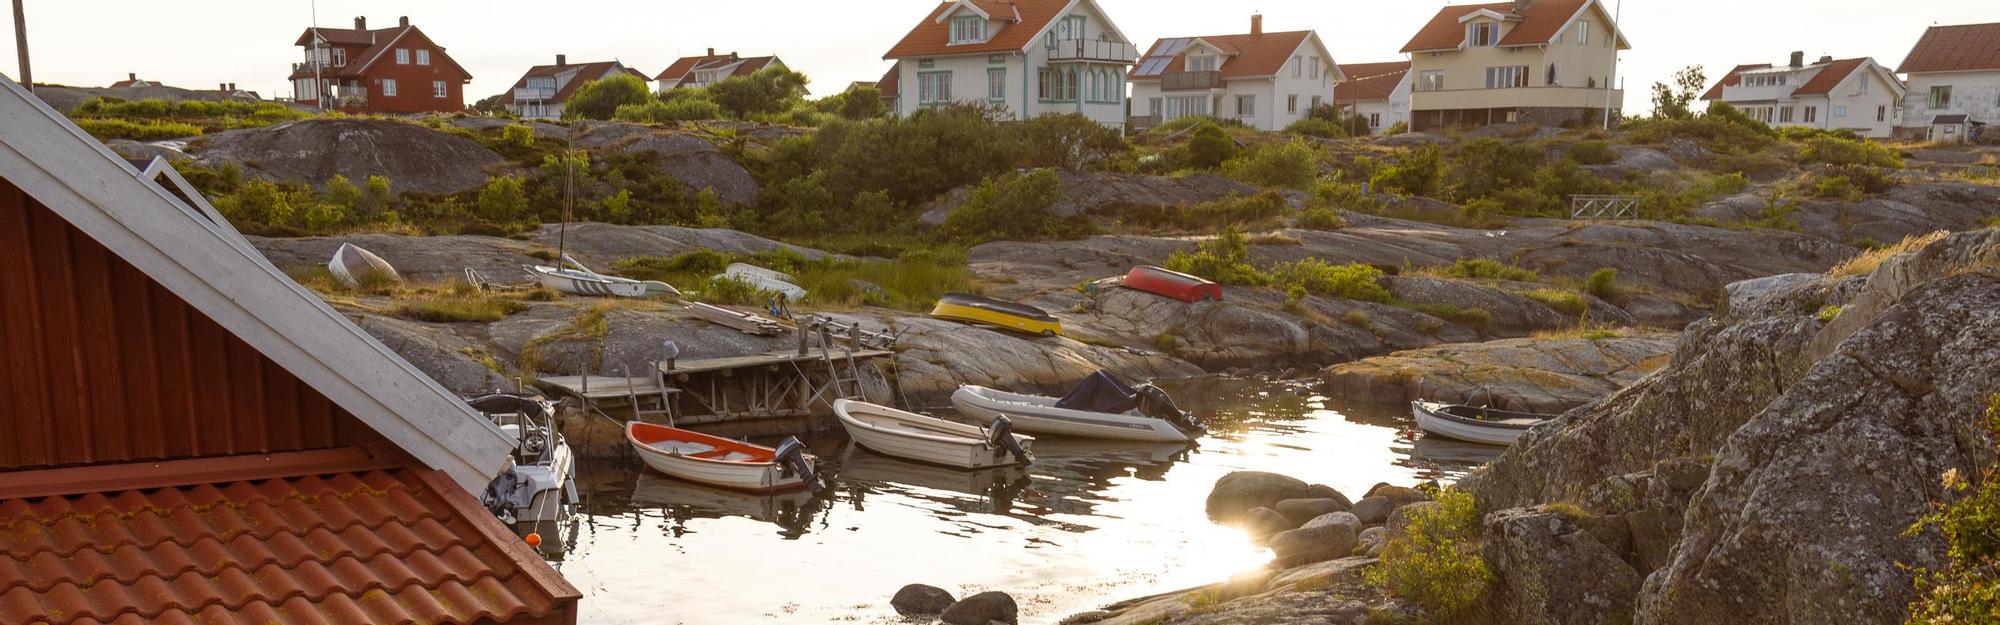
point(533, 93)
point(1093, 50)
point(1603, 206)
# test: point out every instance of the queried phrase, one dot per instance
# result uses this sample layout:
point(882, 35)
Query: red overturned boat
point(1169, 283)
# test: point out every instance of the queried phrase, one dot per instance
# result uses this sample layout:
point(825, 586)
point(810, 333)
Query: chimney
point(1826, 59)
point(403, 21)
point(222, 86)
point(734, 57)
point(1256, 23)
point(361, 22)
point(711, 51)
point(561, 60)
point(232, 87)
point(1521, 6)
point(1798, 60)
point(133, 76)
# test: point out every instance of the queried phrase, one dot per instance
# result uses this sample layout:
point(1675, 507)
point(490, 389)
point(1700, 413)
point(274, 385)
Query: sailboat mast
point(569, 201)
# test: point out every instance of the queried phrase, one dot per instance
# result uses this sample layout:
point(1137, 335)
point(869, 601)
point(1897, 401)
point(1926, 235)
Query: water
point(1088, 524)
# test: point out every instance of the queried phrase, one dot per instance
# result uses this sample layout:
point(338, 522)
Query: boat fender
point(791, 460)
point(1002, 433)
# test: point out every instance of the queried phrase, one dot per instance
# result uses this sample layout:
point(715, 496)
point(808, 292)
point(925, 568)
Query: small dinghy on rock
point(576, 279)
point(1169, 283)
point(969, 308)
point(1474, 424)
point(354, 266)
point(765, 280)
point(912, 436)
point(723, 463)
point(1099, 407)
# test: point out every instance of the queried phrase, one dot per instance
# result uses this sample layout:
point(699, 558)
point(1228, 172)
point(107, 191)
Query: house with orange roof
point(702, 71)
point(192, 437)
point(1378, 92)
point(1023, 57)
point(1829, 94)
point(1953, 80)
point(542, 92)
point(1267, 80)
point(1547, 62)
point(384, 70)
point(132, 80)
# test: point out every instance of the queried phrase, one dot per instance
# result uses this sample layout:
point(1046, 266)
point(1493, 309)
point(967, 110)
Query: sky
point(200, 43)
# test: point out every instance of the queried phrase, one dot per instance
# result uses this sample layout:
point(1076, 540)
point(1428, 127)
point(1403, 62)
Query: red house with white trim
point(387, 70)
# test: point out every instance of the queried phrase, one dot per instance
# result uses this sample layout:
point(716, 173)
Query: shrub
point(1603, 284)
point(1866, 262)
point(1489, 269)
point(107, 129)
point(1967, 589)
point(256, 202)
point(1316, 127)
point(864, 102)
point(1569, 302)
point(1487, 167)
point(1837, 188)
point(1290, 165)
point(457, 309)
point(503, 200)
point(1321, 218)
point(600, 99)
point(1593, 152)
point(1352, 281)
point(774, 89)
point(1476, 318)
point(1209, 147)
point(1068, 141)
point(1416, 173)
point(1358, 318)
point(1828, 314)
point(1224, 259)
point(518, 136)
point(678, 110)
point(1435, 561)
point(1396, 129)
point(731, 291)
point(1236, 212)
point(1014, 207)
point(1834, 150)
point(913, 160)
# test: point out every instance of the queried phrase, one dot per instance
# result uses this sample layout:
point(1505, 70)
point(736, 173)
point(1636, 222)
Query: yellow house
point(1545, 62)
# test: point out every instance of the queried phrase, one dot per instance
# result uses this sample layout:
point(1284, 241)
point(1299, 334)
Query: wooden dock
point(769, 385)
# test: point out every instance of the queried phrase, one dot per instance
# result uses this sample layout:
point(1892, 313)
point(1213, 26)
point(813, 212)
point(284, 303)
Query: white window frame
point(423, 56)
point(1881, 113)
point(1298, 66)
point(388, 87)
point(1430, 80)
point(967, 29)
point(1583, 32)
point(1839, 110)
point(1292, 104)
point(996, 84)
point(1785, 114)
point(1246, 105)
point(340, 57)
point(1939, 104)
point(934, 88)
point(1374, 120)
point(402, 56)
point(440, 90)
point(1811, 115)
point(1316, 69)
point(1203, 62)
point(1507, 77)
point(1482, 34)
point(1316, 101)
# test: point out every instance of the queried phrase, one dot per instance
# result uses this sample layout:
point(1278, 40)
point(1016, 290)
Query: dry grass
point(1584, 331)
point(1866, 262)
point(1273, 238)
point(456, 309)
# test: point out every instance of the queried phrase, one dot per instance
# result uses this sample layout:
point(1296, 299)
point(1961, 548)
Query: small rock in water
point(983, 608)
point(1324, 538)
point(1302, 510)
point(921, 599)
point(1261, 523)
point(1240, 491)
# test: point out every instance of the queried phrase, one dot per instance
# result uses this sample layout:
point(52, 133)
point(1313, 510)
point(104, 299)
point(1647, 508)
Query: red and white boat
point(721, 462)
point(1169, 283)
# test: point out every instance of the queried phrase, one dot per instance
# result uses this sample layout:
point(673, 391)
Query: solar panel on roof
point(1152, 66)
point(1174, 46)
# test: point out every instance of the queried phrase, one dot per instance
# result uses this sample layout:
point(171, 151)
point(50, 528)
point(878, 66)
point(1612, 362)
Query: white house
point(544, 91)
point(702, 71)
point(1378, 92)
point(1028, 57)
point(1953, 76)
point(1266, 80)
point(1845, 94)
point(1545, 62)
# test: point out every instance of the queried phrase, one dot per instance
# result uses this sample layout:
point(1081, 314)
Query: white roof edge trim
point(218, 274)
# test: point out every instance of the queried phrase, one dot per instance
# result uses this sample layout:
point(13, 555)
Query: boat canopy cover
point(1100, 393)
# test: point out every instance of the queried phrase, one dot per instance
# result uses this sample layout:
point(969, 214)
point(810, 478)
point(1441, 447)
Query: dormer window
point(969, 29)
point(1483, 34)
point(1203, 63)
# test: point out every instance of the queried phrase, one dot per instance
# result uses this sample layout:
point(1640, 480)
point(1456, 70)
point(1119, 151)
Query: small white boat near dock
point(354, 266)
point(721, 462)
point(1473, 423)
point(1099, 407)
point(912, 436)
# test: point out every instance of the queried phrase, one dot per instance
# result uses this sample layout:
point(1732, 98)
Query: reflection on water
point(1089, 523)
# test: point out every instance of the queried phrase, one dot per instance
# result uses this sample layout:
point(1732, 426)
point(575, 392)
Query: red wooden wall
point(99, 364)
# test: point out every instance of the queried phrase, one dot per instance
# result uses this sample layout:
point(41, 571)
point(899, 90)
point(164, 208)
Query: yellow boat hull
point(969, 314)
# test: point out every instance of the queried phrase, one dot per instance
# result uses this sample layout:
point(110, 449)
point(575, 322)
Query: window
point(1881, 113)
point(934, 88)
point(1316, 101)
point(926, 64)
point(402, 56)
point(970, 29)
point(1861, 88)
point(1374, 120)
point(388, 86)
point(1430, 80)
point(1246, 105)
point(1203, 63)
point(1298, 67)
point(1812, 114)
point(423, 57)
point(1839, 111)
point(1583, 33)
point(1185, 106)
point(1056, 85)
point(996, 84)
point(1483, 34)
point(439, 89)
point(996, 59)
point(1292, 104)
point(1154, 105)
point(1941, 97)
point(1785, 115)
point(1550, 79)
point(340, 57)
point(1314, 62)
point(1506, 77)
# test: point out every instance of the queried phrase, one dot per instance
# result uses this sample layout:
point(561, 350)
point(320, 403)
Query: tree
point(862, 103)
point(503, 200)
point(600, 99)
point(1210, 147)
point(771, 90)
point(1013, 207)
point(1068, 141)
point(1669, 103)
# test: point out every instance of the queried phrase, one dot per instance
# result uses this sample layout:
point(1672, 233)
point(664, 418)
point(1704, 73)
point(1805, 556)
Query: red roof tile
point(369, 46)
point(1960, 48)
point(1369, 81)
point(933, 38)
point(1534, 25)
point(891, 83)
point(1731, 79)
point(585, 72)
point(687, 65)
point(1824, 82)
point(392, 545)
point(1249, 55)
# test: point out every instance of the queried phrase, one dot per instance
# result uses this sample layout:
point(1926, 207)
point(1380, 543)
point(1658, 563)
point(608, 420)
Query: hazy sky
point(199, 43)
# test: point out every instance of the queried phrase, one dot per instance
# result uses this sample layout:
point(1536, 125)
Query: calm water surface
point(1088, 524)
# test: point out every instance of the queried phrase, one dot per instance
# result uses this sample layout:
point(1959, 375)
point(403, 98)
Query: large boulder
point(1329, 536)
point(1539, 375)
point(312, 151)
point(460, 365)
point(921, 599)
point(1240, 491)
point(982, 609)
point(698, 164)
point(1302, 510)
point(1262, 523)
point(1552, 570)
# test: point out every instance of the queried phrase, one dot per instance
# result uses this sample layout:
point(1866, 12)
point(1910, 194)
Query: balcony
point(1093, 50)
point(533, 94)
point(1190, 81)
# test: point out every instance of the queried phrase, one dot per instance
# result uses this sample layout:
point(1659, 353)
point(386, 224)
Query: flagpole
point(1609, 80)
point(319, 83)
point(21, 45)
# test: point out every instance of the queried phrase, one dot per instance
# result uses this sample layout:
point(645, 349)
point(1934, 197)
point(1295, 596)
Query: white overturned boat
point(912, 436)
point(576, 279)
point(354, 266)
point(721, 462)
point(543, 478)
point(766, 280)
point(1099, 407)
point(1474, 424)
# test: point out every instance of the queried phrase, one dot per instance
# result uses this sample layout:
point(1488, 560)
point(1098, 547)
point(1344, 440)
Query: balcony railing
point(527, 94)
point(1143, 122)
point(1093, 50)
point(1190, 81)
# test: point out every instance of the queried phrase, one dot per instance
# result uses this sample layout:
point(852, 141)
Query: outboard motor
point(791, 460)
point(1002, 434)
point(1156, 403)
point(502, 495)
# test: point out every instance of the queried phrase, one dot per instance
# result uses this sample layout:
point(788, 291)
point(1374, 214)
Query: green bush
point(600, 99)
point(863, 102)
point(1224, 259)
point(1593, 152)
point(1837, 188)
point(1014, 207)
point(678, 110)
point(1489, 269)
point(256, 202)
point(518, 136)
point(1834, 150)
point(1352, 281)
point(1436, 562)
point(1396, 129)
point(1321, 218)
point(1316, 127)
point(1417, 173)
point(1967, 589)
point(1068, 141)
point(1291, 165)
point(107, 129)
point(1487, 167)
point(774, 89)
point(1603, 284)
point(503, 200)
point(1209, 147)
point(1236, 212)
point(1476, 318)
point(1569, 302)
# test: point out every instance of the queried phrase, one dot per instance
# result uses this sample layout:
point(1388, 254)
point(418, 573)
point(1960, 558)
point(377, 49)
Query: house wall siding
point(413, 81)
point(1577, 65)
point(969, 78)
point(101, 364)
point(1972, 93)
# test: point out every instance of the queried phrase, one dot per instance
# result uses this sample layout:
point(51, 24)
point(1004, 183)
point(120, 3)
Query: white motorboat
point(766, 280)
point(542, 481)
point(721, 462)
point(1099, 407)
point(912, 436)
point(354, 266)
point(1474, 424)
point(576, 279)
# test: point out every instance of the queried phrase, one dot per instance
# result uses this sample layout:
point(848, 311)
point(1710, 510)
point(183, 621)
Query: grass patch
point(1486, 269)
point(1436, 561)
point(1476, 318)
point(1866, 262)
point(448, 308)
point(1358, 318)
point(912, 281)
point(1583, 331)
point(1828, 314)
point(1570, 302)
point(1603, 283)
